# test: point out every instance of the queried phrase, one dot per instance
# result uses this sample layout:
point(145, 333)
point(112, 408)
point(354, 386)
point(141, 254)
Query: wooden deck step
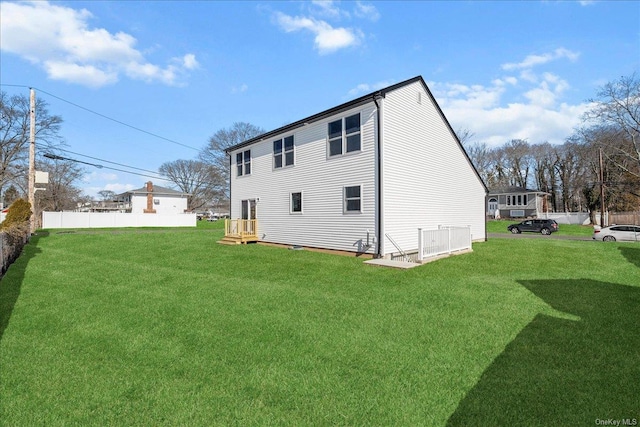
point(228, 240)
point(237, 240)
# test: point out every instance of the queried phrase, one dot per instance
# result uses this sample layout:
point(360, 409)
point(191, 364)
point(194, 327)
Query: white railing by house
point(444, 240)
point(403, 254)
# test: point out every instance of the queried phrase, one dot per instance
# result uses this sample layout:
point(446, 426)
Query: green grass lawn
point(166, 327)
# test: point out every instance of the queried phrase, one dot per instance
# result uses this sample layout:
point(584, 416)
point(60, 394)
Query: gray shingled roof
point(512, 190)
point(160, 191)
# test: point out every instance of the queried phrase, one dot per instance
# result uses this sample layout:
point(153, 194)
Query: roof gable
point(371, 97)
point(330, 112)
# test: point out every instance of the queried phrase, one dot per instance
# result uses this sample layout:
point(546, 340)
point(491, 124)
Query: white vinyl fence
point(580, 218)
point(114, 220)
point(444, 240)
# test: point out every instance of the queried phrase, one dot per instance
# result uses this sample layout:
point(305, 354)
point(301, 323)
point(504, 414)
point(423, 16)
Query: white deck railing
point(444, 240)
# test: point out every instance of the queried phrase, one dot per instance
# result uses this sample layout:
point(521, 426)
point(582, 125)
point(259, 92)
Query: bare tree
point(617, 106)
point(201, 180)
point(480, 156)
point(543, 163)
point(464, 136)
point(517, 155)
point(107, 195)
point(60, 192)
point(213, 153)
point(14, 135)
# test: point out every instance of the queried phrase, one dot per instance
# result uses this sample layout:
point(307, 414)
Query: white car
point(630, 233)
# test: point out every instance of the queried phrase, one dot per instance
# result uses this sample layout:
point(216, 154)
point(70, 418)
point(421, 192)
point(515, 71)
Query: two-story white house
point(359, 176)
point(153, 199)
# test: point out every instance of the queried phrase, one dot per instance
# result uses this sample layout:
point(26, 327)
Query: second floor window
point(283, 152)
point(344, 135)
point(243, 162)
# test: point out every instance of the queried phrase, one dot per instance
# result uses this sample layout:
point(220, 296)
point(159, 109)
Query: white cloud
point(367, 11)
point(120, 188)
point(60, 40)
point(95, 176)
point(328, 9)
point(367, 88)
point(240, 89)
point(189, 62)
point(535, 113)
point(327, 38)
point(534, 60)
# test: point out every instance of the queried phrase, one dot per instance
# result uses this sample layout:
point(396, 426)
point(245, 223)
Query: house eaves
point(381, 93)
point(324, 114)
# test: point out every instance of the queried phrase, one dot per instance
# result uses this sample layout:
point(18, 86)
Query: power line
point(56, 157)
point(105, 116)
point(107, 161)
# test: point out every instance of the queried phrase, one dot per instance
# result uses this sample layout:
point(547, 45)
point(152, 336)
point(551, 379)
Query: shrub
point(18, 215)
point(14, 233)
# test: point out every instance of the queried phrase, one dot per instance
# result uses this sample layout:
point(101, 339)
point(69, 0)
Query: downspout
point(380, 205)
point(230, 173)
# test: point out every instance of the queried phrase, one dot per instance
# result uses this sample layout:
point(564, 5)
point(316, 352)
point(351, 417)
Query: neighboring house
point(516, 202)
point(355, 176)
point(153, 199)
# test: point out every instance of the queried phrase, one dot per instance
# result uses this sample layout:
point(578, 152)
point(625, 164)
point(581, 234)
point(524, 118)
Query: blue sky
point(183, 70)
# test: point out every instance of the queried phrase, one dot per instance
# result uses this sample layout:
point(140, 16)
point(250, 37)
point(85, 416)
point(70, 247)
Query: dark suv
point(544, 226)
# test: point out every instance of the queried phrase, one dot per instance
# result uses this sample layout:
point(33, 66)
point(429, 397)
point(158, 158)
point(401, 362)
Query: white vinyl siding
point(321, 180)
point(428, 180)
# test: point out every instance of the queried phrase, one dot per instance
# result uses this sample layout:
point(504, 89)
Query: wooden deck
point(240, 231)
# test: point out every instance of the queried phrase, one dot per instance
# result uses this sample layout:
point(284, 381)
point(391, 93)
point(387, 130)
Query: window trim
point(345, 200)
point(242, 160)
point(344, 136)
point(521, 199)
point(283, 152)
point(291, 211)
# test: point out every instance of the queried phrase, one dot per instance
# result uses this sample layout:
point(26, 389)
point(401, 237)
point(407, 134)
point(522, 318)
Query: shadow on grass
point(564, 370)
point(631, 254)
point(11, 282)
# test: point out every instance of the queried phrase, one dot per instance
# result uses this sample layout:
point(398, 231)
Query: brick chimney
point(149, 198)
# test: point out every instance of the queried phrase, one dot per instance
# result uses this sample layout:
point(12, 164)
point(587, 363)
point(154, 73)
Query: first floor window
point(519, 200)
point(353, 198)
point(296, 202)
point(243, 163)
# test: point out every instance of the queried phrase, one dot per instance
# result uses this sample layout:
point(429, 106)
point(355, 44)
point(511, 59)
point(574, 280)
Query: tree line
point(570, 172)
point(604, 150)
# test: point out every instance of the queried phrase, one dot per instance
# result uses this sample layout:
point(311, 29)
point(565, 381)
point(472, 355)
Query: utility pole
point(601, 191)
point(32, 161)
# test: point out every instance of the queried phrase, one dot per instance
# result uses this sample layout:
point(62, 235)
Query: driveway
point(536, 236)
